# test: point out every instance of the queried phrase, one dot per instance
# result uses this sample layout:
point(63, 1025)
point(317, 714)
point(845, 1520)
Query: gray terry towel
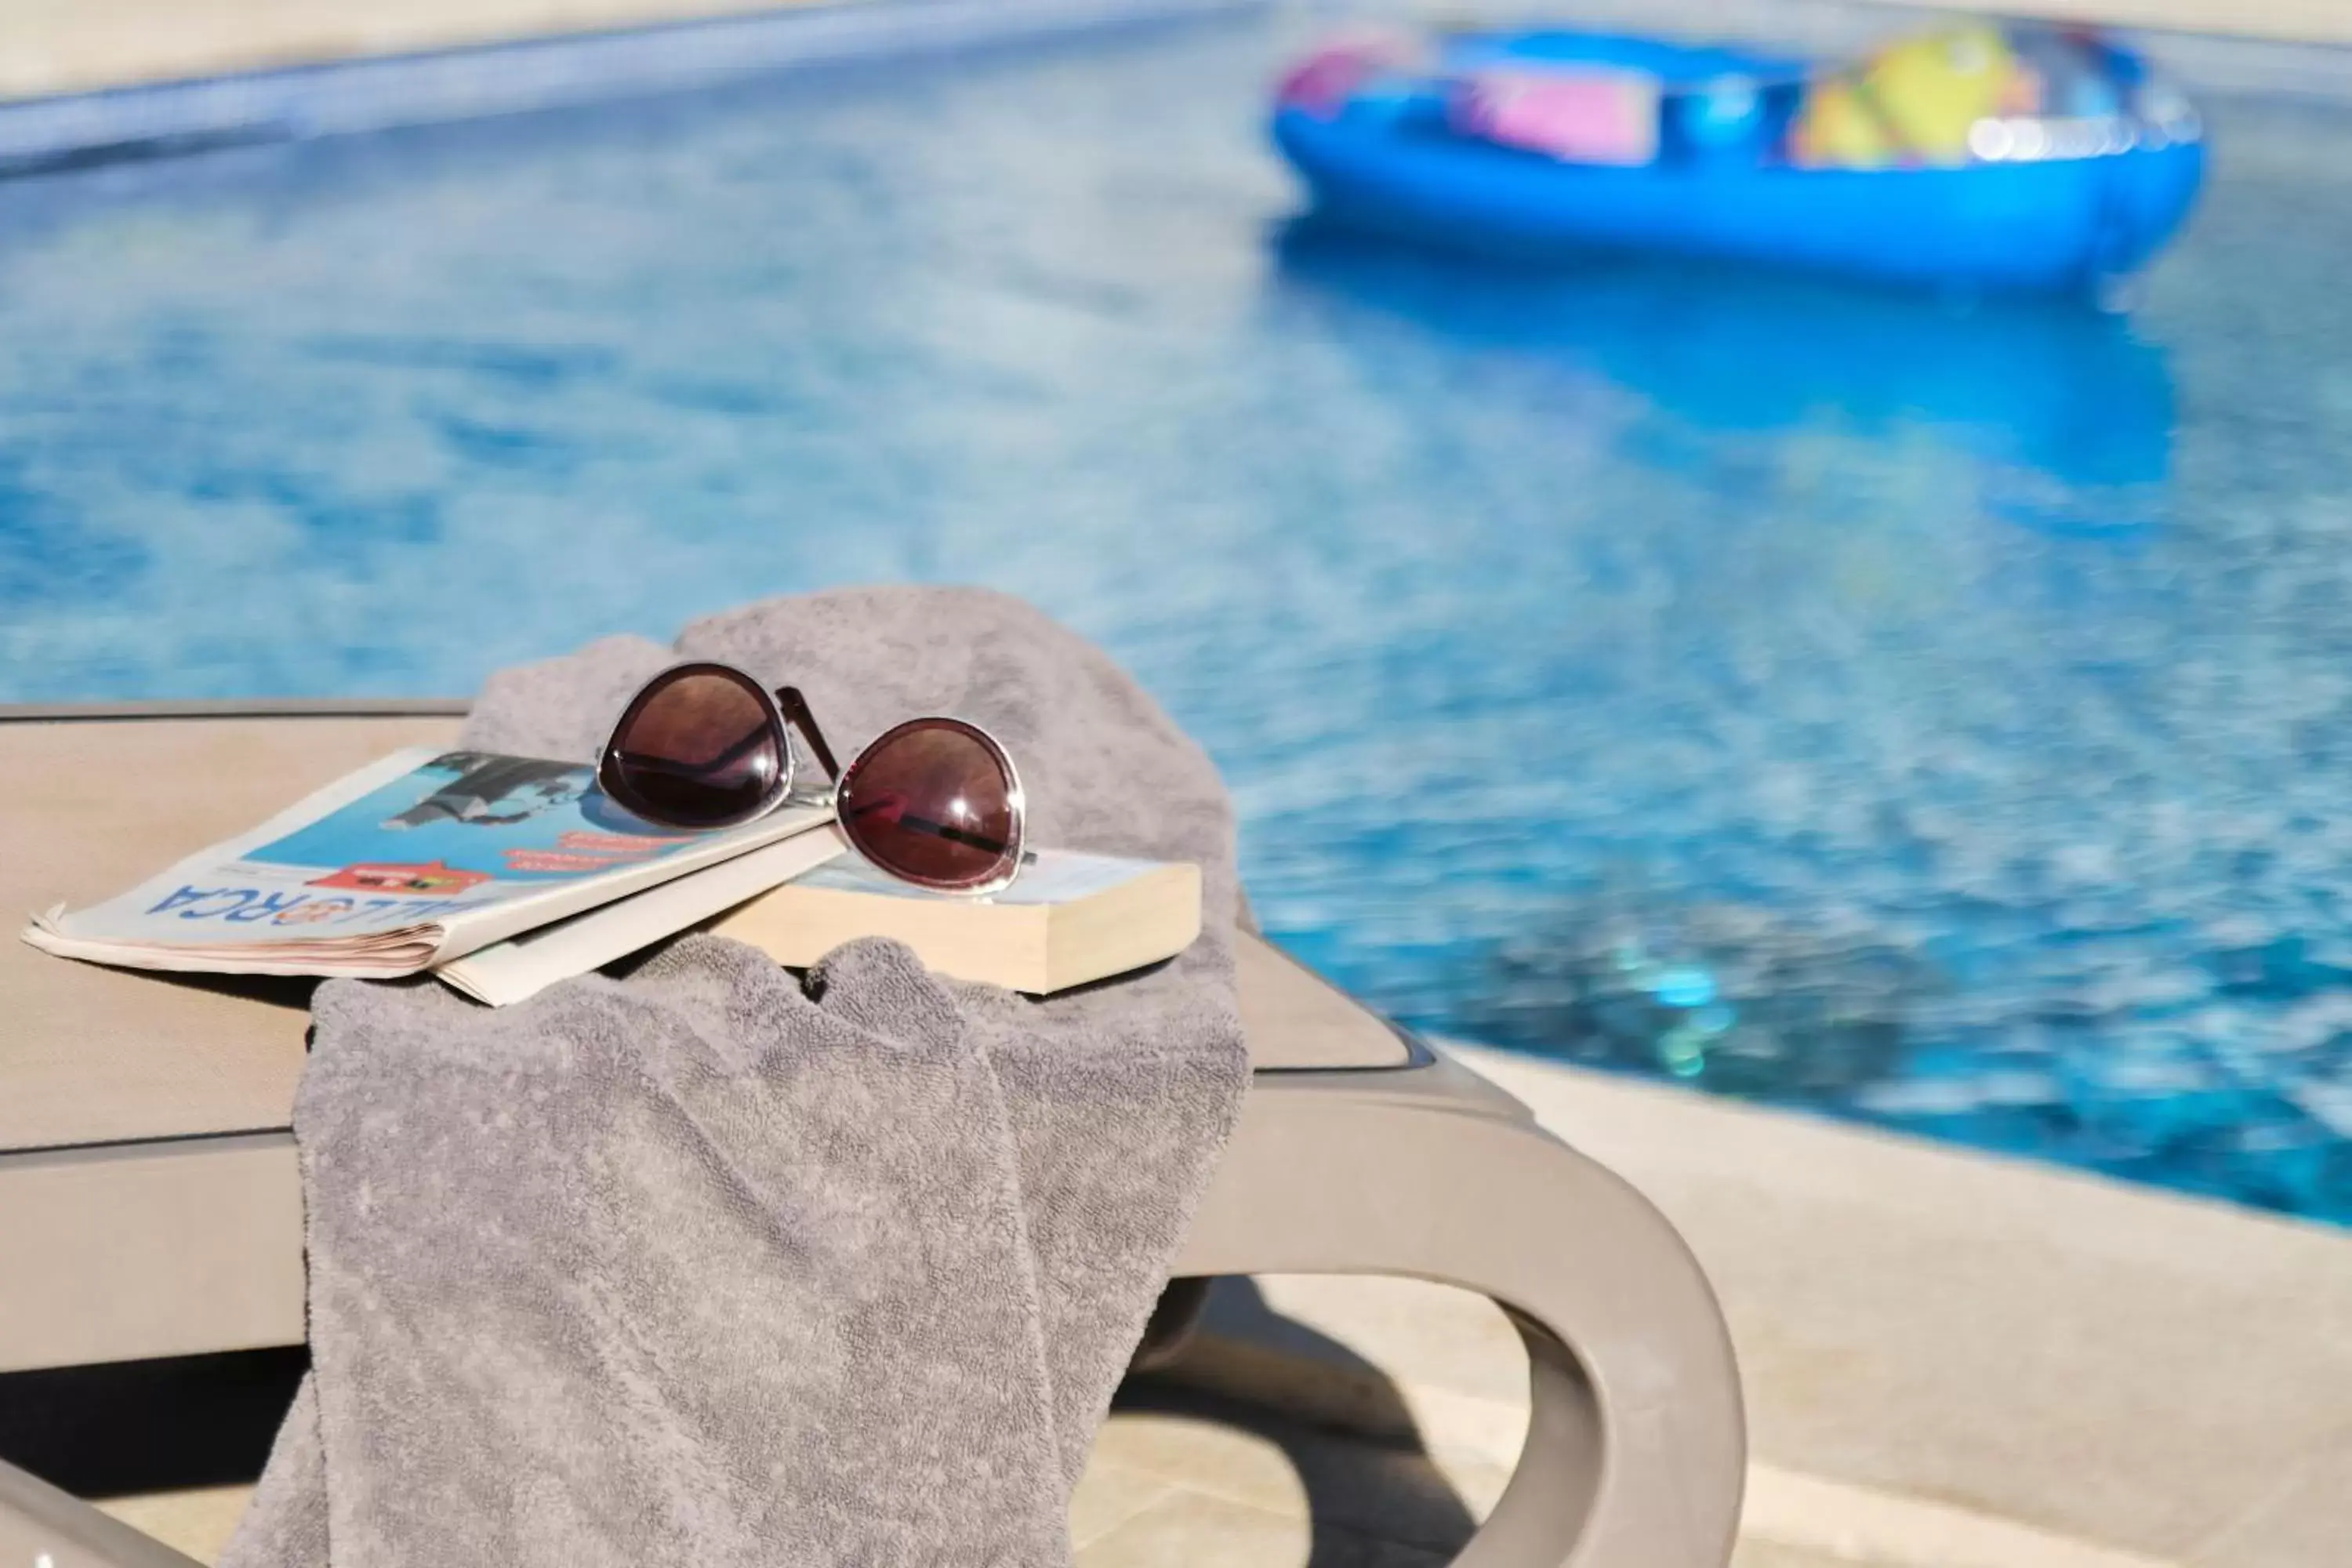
point(708, 1264)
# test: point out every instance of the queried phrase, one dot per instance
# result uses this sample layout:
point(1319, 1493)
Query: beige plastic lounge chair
point(150, 1204)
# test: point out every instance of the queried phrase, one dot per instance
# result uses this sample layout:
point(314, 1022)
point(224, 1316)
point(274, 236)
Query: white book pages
point(508, 972)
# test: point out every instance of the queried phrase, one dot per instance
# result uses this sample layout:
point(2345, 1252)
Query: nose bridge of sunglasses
point(798, 716)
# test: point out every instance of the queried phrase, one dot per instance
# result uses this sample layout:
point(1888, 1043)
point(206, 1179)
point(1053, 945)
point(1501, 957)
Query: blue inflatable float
point(1981, 158)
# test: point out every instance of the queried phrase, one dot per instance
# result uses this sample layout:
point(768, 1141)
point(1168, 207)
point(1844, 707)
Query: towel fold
point(709, 1263)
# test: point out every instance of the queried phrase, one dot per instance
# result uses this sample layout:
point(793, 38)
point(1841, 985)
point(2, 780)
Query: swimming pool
point(1929, 714)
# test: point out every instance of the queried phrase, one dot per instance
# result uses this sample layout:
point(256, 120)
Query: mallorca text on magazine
point(464, 830)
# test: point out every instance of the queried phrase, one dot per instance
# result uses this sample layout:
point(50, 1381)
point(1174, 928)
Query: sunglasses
point(934, 802)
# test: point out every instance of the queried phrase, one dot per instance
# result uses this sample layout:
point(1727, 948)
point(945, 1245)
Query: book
point(1068, 918)
point(415, 861)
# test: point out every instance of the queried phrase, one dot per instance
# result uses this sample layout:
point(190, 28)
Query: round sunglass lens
point(931, 802)
point(697, 749)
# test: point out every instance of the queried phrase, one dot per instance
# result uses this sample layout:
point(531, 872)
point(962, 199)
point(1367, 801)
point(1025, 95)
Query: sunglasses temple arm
point(795, 710)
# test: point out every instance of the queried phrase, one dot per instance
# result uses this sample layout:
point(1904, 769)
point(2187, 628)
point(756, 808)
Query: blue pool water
point(1926, 714)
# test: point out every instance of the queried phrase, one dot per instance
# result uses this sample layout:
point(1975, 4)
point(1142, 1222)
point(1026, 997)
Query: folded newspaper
point(423, 857)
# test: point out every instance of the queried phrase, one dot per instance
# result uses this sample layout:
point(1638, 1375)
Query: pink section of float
point(1587, 114)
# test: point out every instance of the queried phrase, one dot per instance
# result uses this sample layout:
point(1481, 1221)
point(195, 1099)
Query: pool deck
point(2307, 21)
point(81, 46)
point(1951, 1361)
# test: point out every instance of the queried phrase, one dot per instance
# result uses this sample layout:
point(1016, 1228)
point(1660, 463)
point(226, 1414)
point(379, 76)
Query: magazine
point(408, 863)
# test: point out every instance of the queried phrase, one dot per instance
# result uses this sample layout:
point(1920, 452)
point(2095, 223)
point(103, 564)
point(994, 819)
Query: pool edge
point(468, 81)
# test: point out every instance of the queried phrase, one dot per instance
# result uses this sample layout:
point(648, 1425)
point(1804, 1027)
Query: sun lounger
point(150, 1203)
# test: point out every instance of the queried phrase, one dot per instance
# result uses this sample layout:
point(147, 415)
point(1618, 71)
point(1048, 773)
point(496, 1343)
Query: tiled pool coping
point(341, 97)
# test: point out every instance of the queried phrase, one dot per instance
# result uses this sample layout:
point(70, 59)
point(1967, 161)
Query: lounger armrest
point(41, 1527)
point(1636, 1449)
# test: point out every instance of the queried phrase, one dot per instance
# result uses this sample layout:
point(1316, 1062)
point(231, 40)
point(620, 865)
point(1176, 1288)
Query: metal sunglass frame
point(786, 711)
